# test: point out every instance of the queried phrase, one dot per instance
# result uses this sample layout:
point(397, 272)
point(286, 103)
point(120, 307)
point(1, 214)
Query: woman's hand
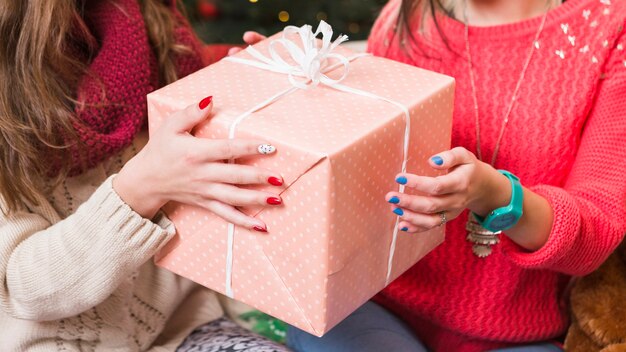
point(176, 166)
point(470, 183)
point(249, 38)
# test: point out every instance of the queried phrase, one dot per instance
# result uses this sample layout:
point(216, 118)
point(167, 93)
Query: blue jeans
point(373, 329)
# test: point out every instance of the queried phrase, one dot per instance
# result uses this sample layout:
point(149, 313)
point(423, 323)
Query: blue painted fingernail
point(437, 160)
point(394, 200)
point(404, 229)
point(402, 180)
point(399, 212)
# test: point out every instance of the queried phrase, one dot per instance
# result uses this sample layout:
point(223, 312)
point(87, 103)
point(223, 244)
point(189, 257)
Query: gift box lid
point(314, 123)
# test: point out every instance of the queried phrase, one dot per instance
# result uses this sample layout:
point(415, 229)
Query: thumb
point(451, 158)
point(252, 38)
point(233, 51)
point(186, 120)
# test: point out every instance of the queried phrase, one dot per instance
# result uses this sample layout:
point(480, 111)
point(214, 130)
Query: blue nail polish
point(394, 200)
point(402, 180)
point(437, 160)
point(404, 229)
point(399, 212)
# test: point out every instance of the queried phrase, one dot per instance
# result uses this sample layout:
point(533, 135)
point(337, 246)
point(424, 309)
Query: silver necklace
point(481, 238)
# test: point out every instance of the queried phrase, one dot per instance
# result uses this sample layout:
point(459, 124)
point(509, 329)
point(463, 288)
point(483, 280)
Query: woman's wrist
point(137, 190)
point(533, 228)
point(495, 192)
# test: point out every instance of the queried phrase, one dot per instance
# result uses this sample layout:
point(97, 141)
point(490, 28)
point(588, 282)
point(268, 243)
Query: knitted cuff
point(565, 227)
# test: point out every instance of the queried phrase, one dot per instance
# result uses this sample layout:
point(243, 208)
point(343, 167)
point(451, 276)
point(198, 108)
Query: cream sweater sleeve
point(52, 271)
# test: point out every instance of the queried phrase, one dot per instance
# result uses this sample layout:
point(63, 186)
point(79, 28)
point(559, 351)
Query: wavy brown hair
point(38, 79)
point(408, 9)
point(407, 14)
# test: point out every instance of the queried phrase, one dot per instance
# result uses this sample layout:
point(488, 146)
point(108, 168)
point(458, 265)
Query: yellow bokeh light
point(253, 1)
point(322, 16)
point(283, 16)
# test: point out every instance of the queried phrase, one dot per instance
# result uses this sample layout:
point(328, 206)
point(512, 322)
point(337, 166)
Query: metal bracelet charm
point(482, 238)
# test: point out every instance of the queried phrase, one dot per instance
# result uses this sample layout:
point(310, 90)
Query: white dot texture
point(328, 245)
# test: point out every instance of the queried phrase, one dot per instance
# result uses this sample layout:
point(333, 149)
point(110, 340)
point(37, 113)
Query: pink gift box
point(329, 246)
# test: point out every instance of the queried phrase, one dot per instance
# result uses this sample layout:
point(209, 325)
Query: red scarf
point(126, 67)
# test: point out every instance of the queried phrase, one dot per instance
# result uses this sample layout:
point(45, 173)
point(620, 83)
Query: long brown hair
point(409, 7)
point(406, 16)
point(38, 79)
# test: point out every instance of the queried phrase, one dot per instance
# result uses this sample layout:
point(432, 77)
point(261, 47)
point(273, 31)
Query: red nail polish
point(275, 181)
point(260, 229)
point(274, 201)
point(205, 102)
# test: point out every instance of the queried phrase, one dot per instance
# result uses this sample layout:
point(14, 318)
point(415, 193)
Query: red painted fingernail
point(275, 181)
point(260, 229)
point(205, 102)
point(274, 201)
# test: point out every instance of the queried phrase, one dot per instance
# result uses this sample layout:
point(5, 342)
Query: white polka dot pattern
point(327, 248)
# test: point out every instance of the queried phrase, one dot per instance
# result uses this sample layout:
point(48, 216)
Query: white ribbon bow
point(311, 62)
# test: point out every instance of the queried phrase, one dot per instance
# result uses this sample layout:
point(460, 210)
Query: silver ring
point(444, 220)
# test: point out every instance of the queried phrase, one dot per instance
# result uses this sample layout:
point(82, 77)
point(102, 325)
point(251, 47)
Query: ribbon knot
point(305, 66)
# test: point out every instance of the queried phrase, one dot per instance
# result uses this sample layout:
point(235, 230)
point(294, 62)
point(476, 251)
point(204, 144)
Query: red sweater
point(566, 140)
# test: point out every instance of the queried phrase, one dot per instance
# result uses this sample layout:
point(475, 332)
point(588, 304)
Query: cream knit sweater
point(77, 274)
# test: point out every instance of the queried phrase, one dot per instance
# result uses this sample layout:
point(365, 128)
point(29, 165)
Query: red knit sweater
point(566, 140)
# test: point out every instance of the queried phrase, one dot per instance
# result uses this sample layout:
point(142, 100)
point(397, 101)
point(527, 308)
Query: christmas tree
point(225, 21)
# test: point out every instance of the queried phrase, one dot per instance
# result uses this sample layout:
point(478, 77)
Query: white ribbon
point(310, 64)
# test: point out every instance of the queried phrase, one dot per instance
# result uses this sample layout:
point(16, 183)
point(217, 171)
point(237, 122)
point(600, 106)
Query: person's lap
point(372, 328)
point(223, 335)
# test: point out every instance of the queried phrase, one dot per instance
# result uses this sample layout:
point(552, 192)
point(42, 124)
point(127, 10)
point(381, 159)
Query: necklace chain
point(481, 238)
point(515, 92)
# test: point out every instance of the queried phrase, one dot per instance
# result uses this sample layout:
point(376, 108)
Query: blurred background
point(225, 21)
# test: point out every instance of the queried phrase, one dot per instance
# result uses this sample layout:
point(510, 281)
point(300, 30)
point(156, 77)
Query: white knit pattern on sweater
point(78, 275)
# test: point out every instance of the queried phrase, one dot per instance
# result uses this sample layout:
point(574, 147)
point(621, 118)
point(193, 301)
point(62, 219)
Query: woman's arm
point(590, 209)
point(570, 229)
point(55, 271)
point(477, 186)
point(51, 271)
point(534, 227)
